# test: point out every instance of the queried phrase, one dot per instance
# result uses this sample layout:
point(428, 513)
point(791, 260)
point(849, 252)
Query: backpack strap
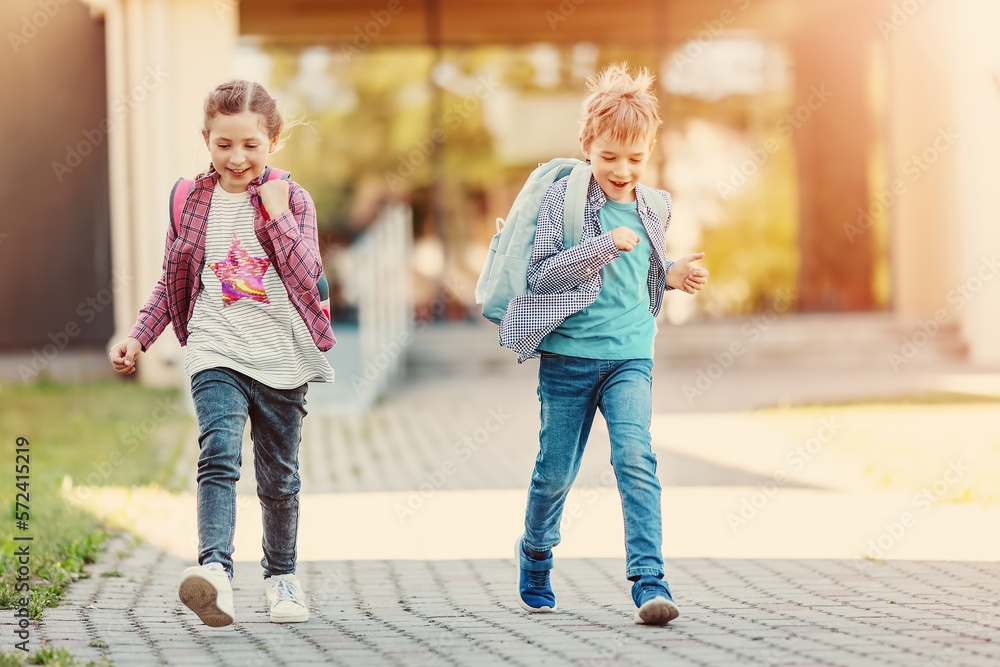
point(182, 189)
point(655, 201)
point(575, 204)
point(270, 173)
point(322, 285)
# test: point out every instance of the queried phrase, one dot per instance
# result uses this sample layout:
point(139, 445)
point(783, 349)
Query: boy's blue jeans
point(223, 400)
point(571, 390)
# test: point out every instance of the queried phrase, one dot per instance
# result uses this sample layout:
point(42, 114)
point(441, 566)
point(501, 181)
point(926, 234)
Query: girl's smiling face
point(618, 165)
point(239, 148)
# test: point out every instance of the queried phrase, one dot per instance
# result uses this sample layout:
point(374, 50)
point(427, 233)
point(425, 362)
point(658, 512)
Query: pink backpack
point(182, 190)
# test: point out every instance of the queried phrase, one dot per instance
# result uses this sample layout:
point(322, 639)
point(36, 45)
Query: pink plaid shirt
point(291, 244)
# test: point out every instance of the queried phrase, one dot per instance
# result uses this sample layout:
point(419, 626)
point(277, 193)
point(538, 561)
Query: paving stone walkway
point(412, 609)
point(746, 611)
point(488, 429)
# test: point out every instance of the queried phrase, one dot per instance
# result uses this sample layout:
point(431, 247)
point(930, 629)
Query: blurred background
point(834, 159)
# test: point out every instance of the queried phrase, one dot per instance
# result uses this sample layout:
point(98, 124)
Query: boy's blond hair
point(620, 105)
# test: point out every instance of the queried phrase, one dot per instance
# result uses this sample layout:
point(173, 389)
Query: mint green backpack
point(505, 273)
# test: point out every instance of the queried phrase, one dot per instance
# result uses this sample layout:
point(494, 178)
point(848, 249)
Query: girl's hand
point(625, 239)
point(274, 197)
point(683, 276)
point(124, 355)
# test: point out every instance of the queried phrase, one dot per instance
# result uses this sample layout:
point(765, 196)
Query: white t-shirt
point(243, 318)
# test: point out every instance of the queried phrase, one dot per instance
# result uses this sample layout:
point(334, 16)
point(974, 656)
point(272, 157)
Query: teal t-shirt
point(618, 325)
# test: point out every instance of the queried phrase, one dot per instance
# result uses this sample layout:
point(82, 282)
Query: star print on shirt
point(241, 275)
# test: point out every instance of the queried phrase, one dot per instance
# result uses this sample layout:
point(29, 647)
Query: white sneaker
point(206, 590)
point(287, 601)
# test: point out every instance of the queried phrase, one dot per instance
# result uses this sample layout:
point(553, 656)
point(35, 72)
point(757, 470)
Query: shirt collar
point(209, 179)
point(596, 195)
point(260, 177)
point(640, 201)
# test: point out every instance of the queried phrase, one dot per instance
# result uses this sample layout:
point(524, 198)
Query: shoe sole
point(658, 611)
point(201, 596)
point(290, 618)
point(535, 610)
point(517, 586)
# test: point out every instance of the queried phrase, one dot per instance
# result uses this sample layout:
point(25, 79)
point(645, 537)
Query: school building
point(892, 112)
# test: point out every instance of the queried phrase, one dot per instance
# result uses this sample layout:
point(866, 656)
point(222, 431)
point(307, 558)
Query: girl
point(239, 286)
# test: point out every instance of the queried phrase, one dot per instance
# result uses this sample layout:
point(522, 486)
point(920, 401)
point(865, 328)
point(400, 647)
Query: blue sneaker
point(655, 604)
point(534, 593)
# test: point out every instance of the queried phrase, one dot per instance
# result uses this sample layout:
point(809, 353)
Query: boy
point(590, 316)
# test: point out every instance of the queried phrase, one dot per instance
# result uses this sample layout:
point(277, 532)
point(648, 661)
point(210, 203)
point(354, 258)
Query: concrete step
point(850, 339)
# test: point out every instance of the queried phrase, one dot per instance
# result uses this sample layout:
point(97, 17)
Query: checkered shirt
point(563, 281)
point(289, 240)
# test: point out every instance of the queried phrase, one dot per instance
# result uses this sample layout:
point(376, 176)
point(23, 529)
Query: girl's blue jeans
point(571, 390)
point(224, 399)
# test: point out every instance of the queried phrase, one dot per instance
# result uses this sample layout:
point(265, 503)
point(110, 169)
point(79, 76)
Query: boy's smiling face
point(618, 164)
point(239, 149)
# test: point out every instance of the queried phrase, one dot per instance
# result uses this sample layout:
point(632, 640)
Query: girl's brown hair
point(237, 96)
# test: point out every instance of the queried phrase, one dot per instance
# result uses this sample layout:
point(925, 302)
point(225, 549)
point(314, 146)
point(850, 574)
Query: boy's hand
point(682, 275)
point(124, 355)
point(625, 239)
point(274, 197)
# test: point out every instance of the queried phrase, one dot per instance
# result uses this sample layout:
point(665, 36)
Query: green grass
point(47, 656)
point(944, 444)
point(106, 433)
point(911, 400)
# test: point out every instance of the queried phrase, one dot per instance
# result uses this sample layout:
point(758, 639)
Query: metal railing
point(381, 259)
